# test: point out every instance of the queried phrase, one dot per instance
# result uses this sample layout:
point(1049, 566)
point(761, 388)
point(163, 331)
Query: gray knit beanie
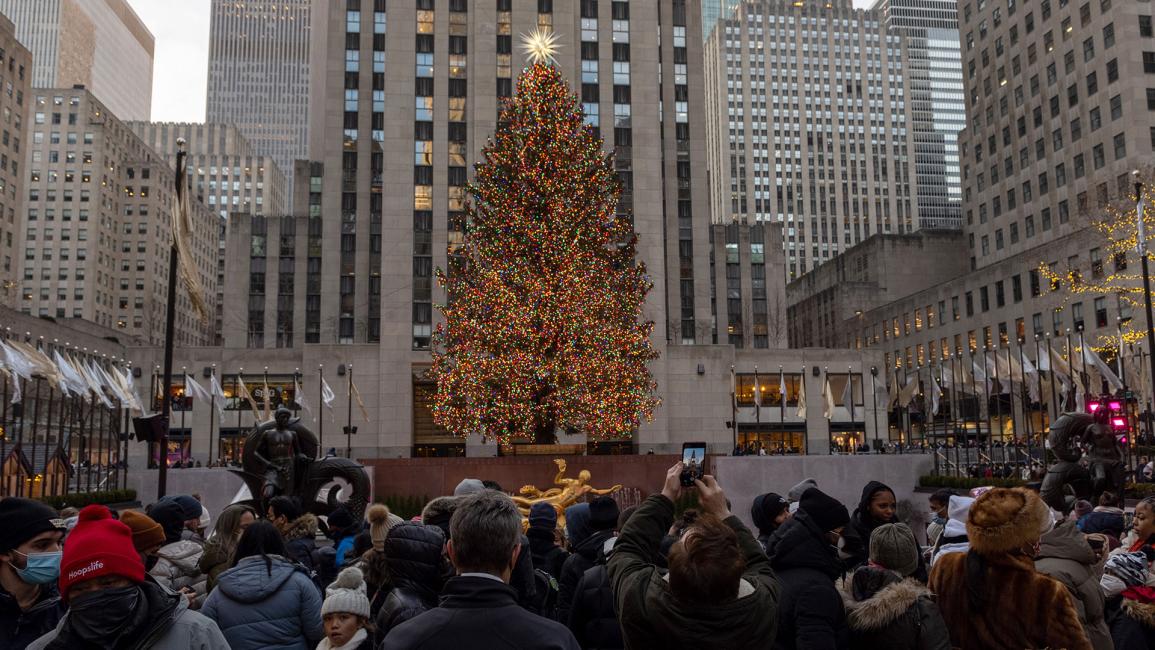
point(347, 594)
point(893, 546)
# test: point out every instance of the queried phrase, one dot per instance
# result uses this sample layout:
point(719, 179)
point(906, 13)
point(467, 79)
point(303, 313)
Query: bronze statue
point(1069, 479)
point(1104, 456)
point(280, 458)
point(571, 491)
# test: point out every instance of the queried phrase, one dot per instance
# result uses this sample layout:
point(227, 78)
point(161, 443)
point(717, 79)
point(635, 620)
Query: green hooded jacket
point(650, 615)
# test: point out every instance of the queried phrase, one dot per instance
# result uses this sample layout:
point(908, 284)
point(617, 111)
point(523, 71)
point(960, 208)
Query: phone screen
point(693, 462)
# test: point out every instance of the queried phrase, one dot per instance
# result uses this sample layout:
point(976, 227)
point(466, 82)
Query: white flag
point(802, 397)
point(73, 382)
point(327, 396)
point(848, 395)
point(782, 386)
point(194, 389)
point(92, 378)
point(935, 394)
point(827, 399)
point(299, 397)
point(218, 394)
point(1092, 358)
point(757, 389)
point(16, 362)
point(125, 381)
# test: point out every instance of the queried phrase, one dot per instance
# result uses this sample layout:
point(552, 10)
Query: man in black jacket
point(478, 608)
point(593, 616)
point(30, 606)
point(603, 517)
point(542, 535)
point(804, 556)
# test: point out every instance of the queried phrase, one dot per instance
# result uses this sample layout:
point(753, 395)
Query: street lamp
point(1142, 249)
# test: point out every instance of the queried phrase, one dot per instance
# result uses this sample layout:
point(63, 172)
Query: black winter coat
point(885, 612)
point(593, 616)
point(414, 556)
point(1133, 626)
point(19, 628)
point(478, 612)
point(301, 541)
point(810, 610)
point(547, 555)
point(583, 558)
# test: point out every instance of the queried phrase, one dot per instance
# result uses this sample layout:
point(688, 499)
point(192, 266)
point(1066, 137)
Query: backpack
point(547, 593)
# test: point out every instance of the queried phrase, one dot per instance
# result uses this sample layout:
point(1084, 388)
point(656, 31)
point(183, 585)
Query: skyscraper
point(402, 114)
point(98, 220)
point(259, 75)
point(16, 75)
point(100, 44)
point(808, 125)
point(226, 175)
point(937, 105)
point(714, 11)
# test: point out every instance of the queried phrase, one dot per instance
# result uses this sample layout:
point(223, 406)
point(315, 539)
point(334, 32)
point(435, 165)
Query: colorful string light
point(543, 328)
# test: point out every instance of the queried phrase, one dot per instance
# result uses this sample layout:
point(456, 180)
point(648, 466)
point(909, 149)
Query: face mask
point(103, 616)
point(39, 568)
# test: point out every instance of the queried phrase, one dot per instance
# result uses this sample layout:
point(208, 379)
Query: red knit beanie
point(98, 546)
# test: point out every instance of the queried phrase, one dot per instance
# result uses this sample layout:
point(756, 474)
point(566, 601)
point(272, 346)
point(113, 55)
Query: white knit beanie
point(347, 594)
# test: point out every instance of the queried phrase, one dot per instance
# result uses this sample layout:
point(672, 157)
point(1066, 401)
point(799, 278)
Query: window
point(1017, 288)
point(1120, 142)
point(1100, 312)
point(1116, 107)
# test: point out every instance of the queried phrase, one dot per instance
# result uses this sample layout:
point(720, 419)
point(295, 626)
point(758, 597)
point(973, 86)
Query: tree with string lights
point(543, 326)
point(1118, 227)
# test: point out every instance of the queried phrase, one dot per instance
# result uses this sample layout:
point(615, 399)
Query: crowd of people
point(996, 569)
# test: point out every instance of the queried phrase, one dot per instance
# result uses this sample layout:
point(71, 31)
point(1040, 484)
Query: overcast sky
point(180, 75)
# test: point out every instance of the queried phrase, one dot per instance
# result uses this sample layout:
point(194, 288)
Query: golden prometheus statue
point(571, 491)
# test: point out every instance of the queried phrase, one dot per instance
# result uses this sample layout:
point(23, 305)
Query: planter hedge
point(81, 499)
point(966, 482)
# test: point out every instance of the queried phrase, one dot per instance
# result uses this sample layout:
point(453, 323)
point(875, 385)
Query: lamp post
point(1142, 249)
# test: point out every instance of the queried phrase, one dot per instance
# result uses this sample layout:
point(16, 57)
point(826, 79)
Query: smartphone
point(693, 462)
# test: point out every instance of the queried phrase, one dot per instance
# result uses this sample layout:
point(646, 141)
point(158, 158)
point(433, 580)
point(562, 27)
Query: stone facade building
point(228, 176)
point(98, 218)
point(15, 82)
point(937, 105)
point(808, 125)
point(259, 75)
point(100, 44)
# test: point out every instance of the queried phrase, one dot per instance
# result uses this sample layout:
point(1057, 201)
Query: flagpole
point(874, 404)
point(349, 428)
point(781, 396)
point(237, 396)
point(1083, 359)
point(169, 334)
point(1140, 215)
point(1039, 384)
point(321, 407)
point(212, 411)
point(1026, 399)
point(184, 404)
point(986, 395)
point(757, 399)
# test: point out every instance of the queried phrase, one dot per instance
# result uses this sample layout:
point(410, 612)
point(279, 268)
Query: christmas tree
point(543, 329)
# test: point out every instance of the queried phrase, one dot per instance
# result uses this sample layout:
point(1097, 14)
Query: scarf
point(357, 640)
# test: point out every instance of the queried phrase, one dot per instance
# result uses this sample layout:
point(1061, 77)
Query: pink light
point(1118, 422)
point(1093, 406)
point(1115, 406)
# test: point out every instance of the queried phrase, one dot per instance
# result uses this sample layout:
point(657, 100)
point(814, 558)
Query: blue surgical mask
point(39, 568)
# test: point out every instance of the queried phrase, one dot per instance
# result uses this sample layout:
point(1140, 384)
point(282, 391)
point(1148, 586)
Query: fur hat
point(1004, 519)
point(347, 594)
point(438, 512)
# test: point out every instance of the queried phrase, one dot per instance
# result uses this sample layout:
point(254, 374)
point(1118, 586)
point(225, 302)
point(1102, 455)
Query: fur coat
point(1023, 608)
point(885, 612)
point(1133, 626)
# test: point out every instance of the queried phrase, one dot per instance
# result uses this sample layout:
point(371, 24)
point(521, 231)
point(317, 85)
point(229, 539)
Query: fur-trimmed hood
point(1143, 613)
point(303, 527)
point(1005, 519)
point(884, 607)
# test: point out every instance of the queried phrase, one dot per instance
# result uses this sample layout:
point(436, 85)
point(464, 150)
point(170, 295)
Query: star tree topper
point(540, 46)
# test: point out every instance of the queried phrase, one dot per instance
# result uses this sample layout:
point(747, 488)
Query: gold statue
point(571, 491)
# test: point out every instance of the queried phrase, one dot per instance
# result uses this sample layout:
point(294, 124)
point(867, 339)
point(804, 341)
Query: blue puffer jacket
point(266, 607)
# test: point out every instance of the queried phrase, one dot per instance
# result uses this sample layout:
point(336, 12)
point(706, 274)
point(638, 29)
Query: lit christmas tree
point(544, 329)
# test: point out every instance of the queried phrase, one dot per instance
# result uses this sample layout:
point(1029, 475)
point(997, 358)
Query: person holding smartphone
point(720, 591)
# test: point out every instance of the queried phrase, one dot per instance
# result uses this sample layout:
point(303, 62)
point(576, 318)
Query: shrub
point(405, 506)
point(81, 499)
